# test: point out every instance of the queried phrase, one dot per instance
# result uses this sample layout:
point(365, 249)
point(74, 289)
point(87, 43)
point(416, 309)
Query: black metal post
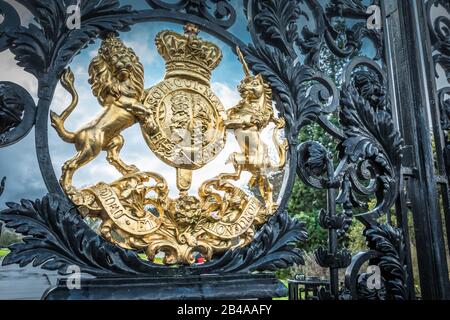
point(332, 234)
point(409, 77)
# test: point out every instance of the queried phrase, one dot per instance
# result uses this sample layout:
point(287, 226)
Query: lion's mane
point(103, 82)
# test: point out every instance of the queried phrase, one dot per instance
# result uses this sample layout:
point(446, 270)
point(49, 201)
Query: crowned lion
point(117, 80)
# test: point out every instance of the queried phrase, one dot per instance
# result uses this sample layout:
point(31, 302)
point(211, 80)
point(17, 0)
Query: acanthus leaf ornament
point(17, 112)
point(278, 19)
point(370, 145)
point(353, 8)
point(51, 46)
point(372, 148)
point(183, 123)
point(388, 242)
point(56, 237)
point(224, 14)
point(325, 35)
point(10, 21)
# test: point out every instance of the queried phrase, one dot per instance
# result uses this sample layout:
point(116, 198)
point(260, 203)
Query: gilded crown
point(188, 55)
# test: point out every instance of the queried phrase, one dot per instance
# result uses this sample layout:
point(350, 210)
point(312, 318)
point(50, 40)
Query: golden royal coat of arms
point(184, 124)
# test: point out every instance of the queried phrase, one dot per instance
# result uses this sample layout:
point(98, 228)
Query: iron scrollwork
point(440, 34)
point(312, 42)
point(316, 169)
point(356, 282)
point(372, 147)
point(388, 242)
point(373, 151)
point(369, 148)
point(46, 50)
point(223, 15)
point(17, 108)
point(17, 112)
point(387, 250)
point(55, 235)
point(440, 38)
point(10, 21)
point(279, 64)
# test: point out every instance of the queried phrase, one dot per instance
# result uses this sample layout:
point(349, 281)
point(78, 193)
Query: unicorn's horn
point(241, 58)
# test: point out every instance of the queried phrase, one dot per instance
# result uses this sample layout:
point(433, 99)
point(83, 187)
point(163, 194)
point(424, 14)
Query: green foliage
point(357, 241)
point(8, 237)
point(3, 252)
point(305, 205)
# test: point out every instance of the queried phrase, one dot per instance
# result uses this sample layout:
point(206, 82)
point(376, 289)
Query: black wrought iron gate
point(421, 112)
point(389, 113)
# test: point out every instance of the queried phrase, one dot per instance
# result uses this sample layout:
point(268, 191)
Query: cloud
point(13, 73)
point(92, 53)
point(19, 164)
point(228, 96)
point(142, 45)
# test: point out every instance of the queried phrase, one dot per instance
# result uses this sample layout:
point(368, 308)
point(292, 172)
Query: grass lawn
point(3, 252)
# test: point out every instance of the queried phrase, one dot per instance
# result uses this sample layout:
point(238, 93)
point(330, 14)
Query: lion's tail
point(280, 145)
point(67, 81)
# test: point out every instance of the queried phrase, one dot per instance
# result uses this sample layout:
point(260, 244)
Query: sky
point(19, 163)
